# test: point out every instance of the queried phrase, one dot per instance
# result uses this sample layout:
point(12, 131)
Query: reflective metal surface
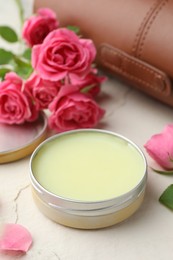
point(18, 141)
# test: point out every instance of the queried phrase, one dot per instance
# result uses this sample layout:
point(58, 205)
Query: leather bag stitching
point(157, 11)
point(142, 26)
point(125, 73)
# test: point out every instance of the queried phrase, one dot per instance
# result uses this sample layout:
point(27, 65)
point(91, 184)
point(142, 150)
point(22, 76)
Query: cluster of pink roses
point(63, 78)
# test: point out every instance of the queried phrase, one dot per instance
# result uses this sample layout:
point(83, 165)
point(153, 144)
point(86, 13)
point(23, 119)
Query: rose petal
point(15, 237)
point(160, 147)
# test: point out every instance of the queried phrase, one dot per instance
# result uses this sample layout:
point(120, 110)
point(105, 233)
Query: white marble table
point(147, 235)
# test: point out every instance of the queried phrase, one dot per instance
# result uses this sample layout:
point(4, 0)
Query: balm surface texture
point(88, 166)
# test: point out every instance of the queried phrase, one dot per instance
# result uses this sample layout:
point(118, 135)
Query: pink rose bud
point(62, 54)
point(73, 110)
point(160, 148)
point(37, 27)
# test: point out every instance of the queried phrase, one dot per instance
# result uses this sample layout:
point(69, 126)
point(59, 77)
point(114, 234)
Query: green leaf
point(24, 71)
point(167, 197)
point(74, 29)
point(27, 54)
point(163, 172)
point(5, 56)
point(8, 34)
point(22, 68)
point(86, 89)
point(3, 71)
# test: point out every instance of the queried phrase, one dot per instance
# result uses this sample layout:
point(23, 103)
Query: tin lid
point(18, 141)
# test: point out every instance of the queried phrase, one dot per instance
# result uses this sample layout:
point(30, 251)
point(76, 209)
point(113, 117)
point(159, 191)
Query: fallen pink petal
point(14, 237)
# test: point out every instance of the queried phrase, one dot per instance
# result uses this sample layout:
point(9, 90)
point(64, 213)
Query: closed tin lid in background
point(18, 141)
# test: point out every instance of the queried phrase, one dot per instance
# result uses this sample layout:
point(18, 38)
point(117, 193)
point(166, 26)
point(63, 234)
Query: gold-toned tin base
point(88, 222)
point(18, 141)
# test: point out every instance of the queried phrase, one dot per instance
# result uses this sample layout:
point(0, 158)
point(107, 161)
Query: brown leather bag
point(134, 38)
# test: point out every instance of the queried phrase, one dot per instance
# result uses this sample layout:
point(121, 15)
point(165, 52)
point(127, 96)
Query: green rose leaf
point(24, 71)
point(5, 56)
point(8, 34)
point(167, 197)
point(3, 71)
point(74, 29)
point(87, 89)
point(163, 172)
point(27, 54)
point(22, 68)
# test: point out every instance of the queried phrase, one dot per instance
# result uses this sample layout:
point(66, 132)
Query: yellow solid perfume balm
point(88, 178)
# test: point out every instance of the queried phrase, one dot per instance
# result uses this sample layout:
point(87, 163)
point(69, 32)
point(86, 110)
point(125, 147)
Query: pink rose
point(42, 91)
point(15, 106)
point(160, 148)
point(62, 54)
point(73, 110)
point(37, 27)
point(91, 83)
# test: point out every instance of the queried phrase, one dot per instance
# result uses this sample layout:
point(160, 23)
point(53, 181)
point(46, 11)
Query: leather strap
point(146, 77)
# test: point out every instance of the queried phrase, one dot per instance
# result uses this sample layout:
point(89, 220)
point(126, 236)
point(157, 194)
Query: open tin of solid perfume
point(18, 141)
point(88, 178)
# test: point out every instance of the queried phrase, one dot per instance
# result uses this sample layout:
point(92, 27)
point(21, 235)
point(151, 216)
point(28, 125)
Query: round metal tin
point(18, 141)
point(88, 214)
